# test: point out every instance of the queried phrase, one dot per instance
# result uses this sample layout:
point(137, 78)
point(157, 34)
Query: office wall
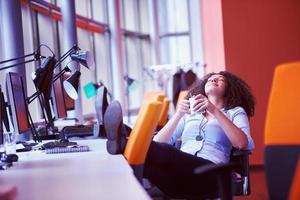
point(258, 35)
point(213, 40)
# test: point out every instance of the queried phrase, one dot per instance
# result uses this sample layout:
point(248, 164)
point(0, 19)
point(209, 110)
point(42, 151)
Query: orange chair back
point(282, 132)
point(141, 135)
point(153, 96)
point(283, 114)
point(164, 112)
point(181, 96)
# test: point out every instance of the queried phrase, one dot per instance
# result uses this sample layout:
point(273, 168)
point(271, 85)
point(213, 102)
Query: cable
point(43, 45)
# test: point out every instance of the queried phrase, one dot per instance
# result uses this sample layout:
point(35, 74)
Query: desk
point(86, 175)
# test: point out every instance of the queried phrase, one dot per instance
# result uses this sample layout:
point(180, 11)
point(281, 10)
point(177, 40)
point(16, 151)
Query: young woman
point(218, 121)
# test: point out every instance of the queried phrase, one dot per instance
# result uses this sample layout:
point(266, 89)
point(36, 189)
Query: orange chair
point(153, 96)
point(141, 135)
point(282, 132)
point(163, 117)
point(181, 96)
point(295, 191)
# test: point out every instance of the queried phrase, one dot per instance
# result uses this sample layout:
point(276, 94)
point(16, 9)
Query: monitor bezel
point(12, 103)
point(57, 85)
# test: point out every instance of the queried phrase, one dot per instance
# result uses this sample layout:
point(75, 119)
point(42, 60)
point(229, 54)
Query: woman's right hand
point(183, 107)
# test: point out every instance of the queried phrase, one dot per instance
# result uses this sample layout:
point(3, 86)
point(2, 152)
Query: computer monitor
point(18, 104)
point(3, 111)
point(58, 99)
point(3, 116)
point(1, 125)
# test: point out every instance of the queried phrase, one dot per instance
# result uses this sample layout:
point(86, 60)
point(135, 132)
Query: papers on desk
point(65, 122)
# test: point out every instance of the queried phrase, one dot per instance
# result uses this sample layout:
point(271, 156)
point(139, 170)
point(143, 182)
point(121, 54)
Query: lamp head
point(85, 58)
point(71, 85)
point(131, 83)
point(90, 89)
point(43, 76)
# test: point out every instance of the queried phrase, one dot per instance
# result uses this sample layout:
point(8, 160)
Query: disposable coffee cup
point(192, 101)
point(9, 142)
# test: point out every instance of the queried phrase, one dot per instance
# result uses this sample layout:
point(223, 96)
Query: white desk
point(86, 175)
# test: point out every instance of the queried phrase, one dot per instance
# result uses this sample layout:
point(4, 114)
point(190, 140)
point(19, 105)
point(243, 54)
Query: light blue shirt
point(214, 144)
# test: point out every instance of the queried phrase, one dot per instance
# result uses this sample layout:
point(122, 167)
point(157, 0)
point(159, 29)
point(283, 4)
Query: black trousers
point(172, 171)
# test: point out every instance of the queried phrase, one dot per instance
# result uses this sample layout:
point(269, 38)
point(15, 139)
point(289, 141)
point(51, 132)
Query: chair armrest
point(241, 152)
point(216, 169)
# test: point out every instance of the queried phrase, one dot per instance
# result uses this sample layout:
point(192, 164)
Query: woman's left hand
point(203, 104)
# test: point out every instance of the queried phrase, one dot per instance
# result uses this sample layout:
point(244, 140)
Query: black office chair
point(233, 178)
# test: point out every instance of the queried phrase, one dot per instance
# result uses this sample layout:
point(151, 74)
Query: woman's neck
point(218, 102)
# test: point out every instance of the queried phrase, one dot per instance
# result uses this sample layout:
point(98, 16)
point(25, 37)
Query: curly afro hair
point(238, 92)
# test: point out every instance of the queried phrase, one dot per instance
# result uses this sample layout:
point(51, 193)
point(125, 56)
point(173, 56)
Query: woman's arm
point(167, 131)
point(236, 136)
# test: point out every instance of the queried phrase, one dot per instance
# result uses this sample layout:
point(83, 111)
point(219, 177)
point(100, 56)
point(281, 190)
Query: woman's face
point(215, 85)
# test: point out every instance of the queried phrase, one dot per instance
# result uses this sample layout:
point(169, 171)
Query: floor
point(258, 185)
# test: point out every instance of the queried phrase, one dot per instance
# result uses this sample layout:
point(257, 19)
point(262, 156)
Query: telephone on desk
point(77, 131)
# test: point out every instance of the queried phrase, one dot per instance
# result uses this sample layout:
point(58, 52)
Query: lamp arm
point(63, 57)
point(57, 76)
point(18, 64)
point(33, 97)
point(17, 58)
point(37, 56)
point(37, 93)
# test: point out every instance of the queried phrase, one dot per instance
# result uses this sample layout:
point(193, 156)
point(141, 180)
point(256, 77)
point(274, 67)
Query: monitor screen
point(17, 102)
point(4, 111)
point(4, 123)
point(58, 99)
point(1, 125)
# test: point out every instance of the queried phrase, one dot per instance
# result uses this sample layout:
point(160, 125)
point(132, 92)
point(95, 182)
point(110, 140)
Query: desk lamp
point(43, 77)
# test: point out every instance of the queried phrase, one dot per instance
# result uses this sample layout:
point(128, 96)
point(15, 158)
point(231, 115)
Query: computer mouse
point(9, 158)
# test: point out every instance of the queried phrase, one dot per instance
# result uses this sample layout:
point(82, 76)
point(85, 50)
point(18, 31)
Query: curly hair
point(237, 92)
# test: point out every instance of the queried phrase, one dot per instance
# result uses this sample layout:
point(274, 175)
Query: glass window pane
point(99, 8)
point(87, 76)
point(30, 67)
point(102, 60)
point(134, 68)
point(173, 16)
point(46, 33)
point(82, 8)
point(144, 16)
point(130, 15)
point(176, 50)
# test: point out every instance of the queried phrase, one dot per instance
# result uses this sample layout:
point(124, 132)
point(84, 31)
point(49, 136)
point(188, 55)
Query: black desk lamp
point(43, 77)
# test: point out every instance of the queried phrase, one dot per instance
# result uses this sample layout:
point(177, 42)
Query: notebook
point(70, 149)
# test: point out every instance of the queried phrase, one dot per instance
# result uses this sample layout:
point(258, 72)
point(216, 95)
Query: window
point(136, 46)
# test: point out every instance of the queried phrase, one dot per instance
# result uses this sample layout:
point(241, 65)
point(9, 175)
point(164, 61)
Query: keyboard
point(77, 131)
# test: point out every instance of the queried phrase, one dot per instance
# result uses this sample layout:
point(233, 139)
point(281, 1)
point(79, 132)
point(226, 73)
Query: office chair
point(141, 135)
point(153, 96)
point(295, 191)
point(282, 132)
point(163, 117)
point(233, 178)
point(181, 96)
